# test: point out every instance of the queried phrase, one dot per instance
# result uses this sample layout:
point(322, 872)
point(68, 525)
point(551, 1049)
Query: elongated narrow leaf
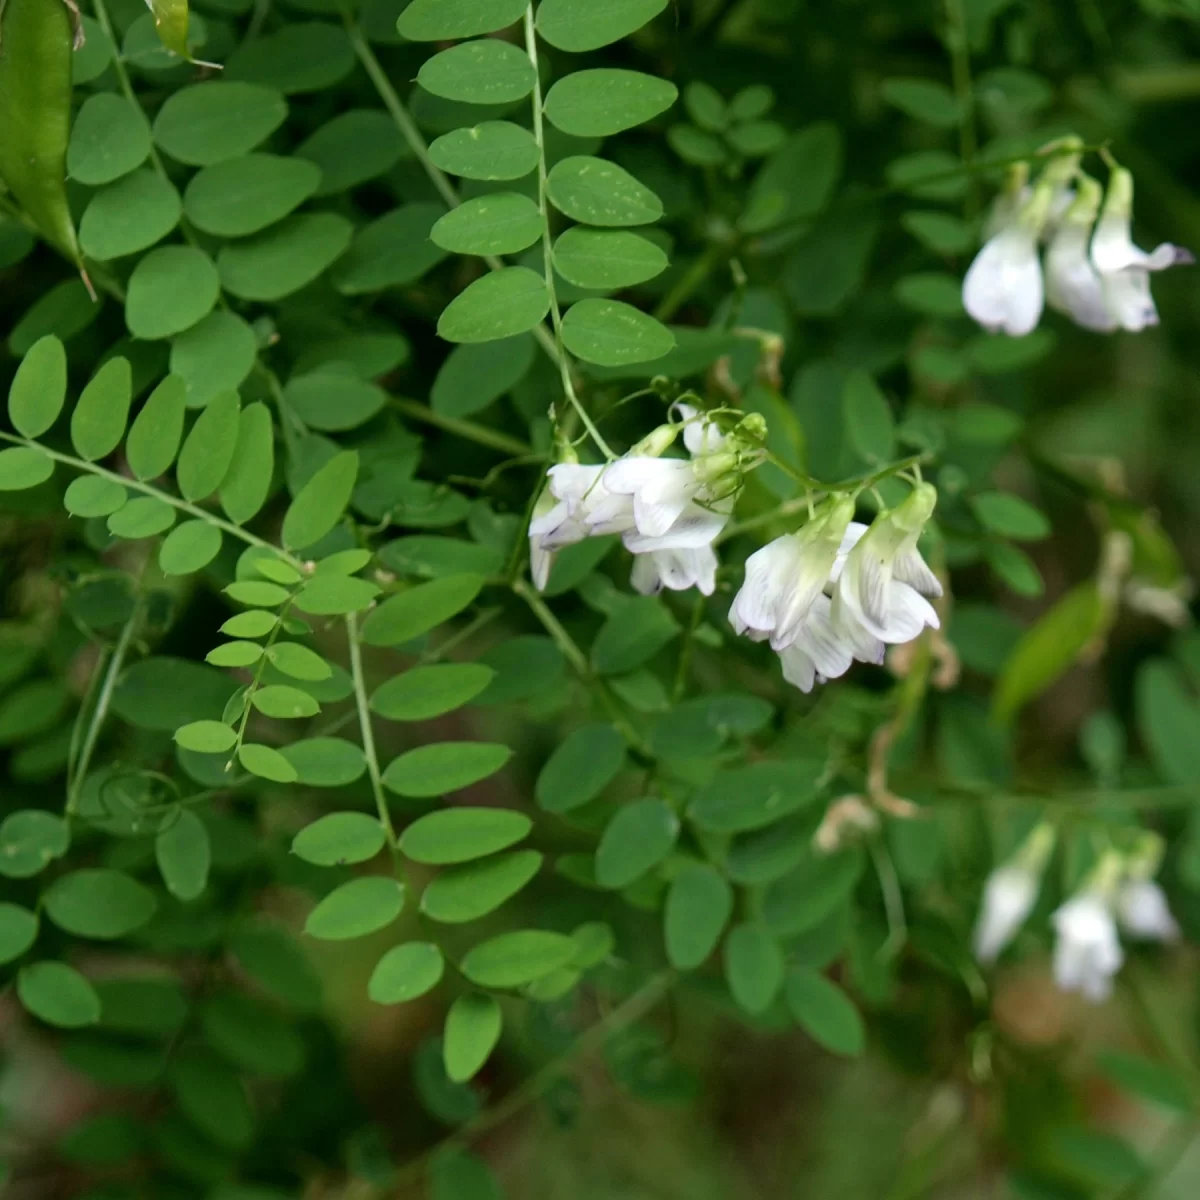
point(319, 505)
point(501, 304)
point(39, 388)
point(468, 892)
point(447, 20)
point(98, 422)
point(638, 837)
point(473, 1027)
point(411, 613)
point(456, 835)
point(209, 448)
point(157, 430)
point(513, 959)
point(699, 904)
point(247, 483)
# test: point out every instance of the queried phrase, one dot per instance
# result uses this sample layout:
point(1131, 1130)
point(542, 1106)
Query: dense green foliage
point(331, 840)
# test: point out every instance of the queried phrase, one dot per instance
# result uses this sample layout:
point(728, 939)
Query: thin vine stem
point(112, 670)
point(146, 489)
point(960, 67)
point(539, 137)
point(471, 431)
point(366, 731)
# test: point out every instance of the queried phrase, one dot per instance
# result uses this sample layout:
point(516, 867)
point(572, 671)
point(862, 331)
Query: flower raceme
point(1010, 893)
point(1094, 274)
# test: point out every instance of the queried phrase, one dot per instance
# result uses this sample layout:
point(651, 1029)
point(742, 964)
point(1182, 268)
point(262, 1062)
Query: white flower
point(675, 569)
point(882, 586)
point(549, 515)
point(1073, 284)
point(818, 652)
point(1087, 953)
point(1124, 269)
point(1003, 287)
point(661, 489)
point(700, 435)
point(1008, 898)
point(785, 577)
point(1143, 912)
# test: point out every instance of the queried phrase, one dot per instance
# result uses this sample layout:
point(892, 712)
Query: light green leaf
point(335, 595)
point(284, 703)
point(699, 904)
point(406, 972)
point(339, 838)
point(638, 631)
point(422, 693)
point(448, 20)
point(607, 100)
point(256, 593)
point(30, 840)
point(320, 503)
point(473, 1027)
point(1168, 719)
point(298, 661)
point(23, 467)
point(241, 196)
point(157, 430)
point(753, 967)
point(498, 223)
point(98, 421)
point(441, 767)
point(487, 71)
point(1009, 516)
point(925, 99)
point(356, 908)
point(171, 21)
point(284, 259)
point(109, 138)
point(493, 150)
point(39, 388)
point(189, 547)
point(184, 855)
point(234, 654)
point(171, 288)
point(326, 761)
point(514, 959)
point(411, 613)
point(823, 1011)
point(591, 258)
point(58, 995)
point(455, 835)
point(247, 483)
point(570, 25)
point(266, 763)
point(255, 623)
point(18, 931)
point(639, 837)
point(93, 496)
point(468, 892)
point(614, 334)
point(208, 449)
point(596, 192)
point(206, 737)
point(580, 768)
point(499, 305)
point(211, 122)
point(96, 902)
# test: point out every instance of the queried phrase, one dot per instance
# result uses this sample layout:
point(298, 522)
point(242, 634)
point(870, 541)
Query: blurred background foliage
point(824, 180)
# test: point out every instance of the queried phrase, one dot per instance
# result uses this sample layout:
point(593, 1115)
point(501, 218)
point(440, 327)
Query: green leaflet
point(171, 21)
point(35, 107)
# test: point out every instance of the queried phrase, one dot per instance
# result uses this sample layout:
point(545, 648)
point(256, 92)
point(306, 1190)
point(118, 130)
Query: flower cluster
point(834, 592)
point(668, 511)
point(838, 590)
point(1093, 273)
point(1120, 891)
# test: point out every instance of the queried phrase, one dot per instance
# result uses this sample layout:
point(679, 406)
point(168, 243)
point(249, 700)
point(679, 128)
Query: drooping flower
point(785, 578)
point(1143, 911)
point(818, 652)
point(1010, 893)
point(1124, 269)
point(675, 569)
point(882, 586)
point(1003, 287)
point(1087, 952)
point(700, 435)
point(1073, 285)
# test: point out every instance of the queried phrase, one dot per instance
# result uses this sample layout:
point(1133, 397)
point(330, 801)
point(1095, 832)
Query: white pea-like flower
point(1143, 911)
point(675, 569)
point(818, 652)
point(1073, 285)
point(1008, 898)
point(883, 583)
point(1123, 268)
point(1003, 288)
point(1087, 952)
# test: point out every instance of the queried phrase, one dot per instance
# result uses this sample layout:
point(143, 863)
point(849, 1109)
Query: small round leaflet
point(601, 259)
point(170, 289)
point(500, 223)
point(611, 333)
point(487, 71)
point(406, 972)
point(210, 122)
point(240, 196)
point(501, 304)
point(607, 100)
point(596, 192)
point(493, 150)
point(339, 838)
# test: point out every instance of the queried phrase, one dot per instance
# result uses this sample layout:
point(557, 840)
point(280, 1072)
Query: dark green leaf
point(407, 615)
point(639, 837)
point(500, 305)
point(607, 100)
point(569, 25)
point(581, 767)
point(823, 1011)
point(98, 903)
point(487, 71)
point(422, 693)
point(58, 994)
point(493, 150)
point(184, 855)
point(753, 967)
point(699, 904)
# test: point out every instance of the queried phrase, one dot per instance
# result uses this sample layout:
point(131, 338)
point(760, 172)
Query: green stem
point(416, 143)
point(367, 732)
point(99, 712)
point(146, 489)
point(685, 652)
point(494, 439)
point(629, 1011)
point(564, 366)
point(960, 66)
point(256, 680)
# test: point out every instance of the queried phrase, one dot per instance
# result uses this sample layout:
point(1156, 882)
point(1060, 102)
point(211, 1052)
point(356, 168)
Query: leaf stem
point(564, 365)
point(146, 489)
point(366, 731)
point(471, 431)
